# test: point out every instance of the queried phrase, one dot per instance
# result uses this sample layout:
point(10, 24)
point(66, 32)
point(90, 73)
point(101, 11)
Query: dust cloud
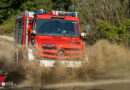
point(104, 57)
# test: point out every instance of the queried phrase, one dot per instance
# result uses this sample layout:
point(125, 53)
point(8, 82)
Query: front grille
point(71, 49)
point(45, 48)
point(53, 54)
point(73, 54)
point(47, 51)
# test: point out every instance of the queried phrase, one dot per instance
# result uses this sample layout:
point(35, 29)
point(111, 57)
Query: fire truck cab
point(56, 34)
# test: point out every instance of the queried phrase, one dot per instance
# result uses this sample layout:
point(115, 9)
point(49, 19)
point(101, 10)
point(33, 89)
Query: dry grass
point(104, 56)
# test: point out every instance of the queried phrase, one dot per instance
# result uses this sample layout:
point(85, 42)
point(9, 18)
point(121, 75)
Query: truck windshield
point(57, 28)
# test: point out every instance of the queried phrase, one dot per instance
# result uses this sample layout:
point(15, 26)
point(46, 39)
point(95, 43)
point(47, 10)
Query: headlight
point(48, 45)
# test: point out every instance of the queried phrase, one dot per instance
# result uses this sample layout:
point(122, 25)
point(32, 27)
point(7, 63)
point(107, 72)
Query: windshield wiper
point(70, 33)
point(58, 32)
point(43, 33)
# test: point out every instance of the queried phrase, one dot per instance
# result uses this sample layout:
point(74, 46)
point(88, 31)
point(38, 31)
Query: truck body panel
point(57, 36)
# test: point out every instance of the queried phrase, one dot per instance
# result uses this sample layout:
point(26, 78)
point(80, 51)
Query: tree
point(11, 7)
point(8, 8)
point(3, 10)
point(35, 5)
point(107, 10)
point(105, 17)
point(61, 4)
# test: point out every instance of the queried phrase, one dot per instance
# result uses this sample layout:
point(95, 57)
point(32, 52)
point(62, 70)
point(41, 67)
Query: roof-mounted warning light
point(74, 14)
point(40, 11)
point(63, 13)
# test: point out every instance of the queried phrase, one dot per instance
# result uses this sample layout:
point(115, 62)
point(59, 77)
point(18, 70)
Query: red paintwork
point(66, 17)
point(24, 29)
point(29, 29)
point(61, 42)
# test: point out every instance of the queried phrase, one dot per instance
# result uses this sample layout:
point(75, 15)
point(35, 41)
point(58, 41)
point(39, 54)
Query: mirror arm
point(32, 39)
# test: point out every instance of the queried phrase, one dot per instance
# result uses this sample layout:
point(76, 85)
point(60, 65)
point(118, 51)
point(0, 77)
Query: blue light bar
point(73, 14)
point(40, 11)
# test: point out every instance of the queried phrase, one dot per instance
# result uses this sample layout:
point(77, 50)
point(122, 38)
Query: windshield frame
point(58, 34)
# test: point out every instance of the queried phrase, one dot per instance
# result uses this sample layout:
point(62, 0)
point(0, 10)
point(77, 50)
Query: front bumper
point(54, 62)
point(65, 63)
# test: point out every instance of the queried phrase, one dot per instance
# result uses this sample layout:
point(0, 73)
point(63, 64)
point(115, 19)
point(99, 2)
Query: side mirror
point(33, 33)
point(32, 41)
point(86, 34)
point(32, 38)
point(30, 22)
point(88, 30)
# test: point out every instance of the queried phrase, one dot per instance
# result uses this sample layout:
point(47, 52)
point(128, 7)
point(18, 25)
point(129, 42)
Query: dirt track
point(105, 60)
point(95, 85)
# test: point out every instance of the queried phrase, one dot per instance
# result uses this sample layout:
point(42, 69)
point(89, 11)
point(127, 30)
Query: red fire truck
point(55, 34)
